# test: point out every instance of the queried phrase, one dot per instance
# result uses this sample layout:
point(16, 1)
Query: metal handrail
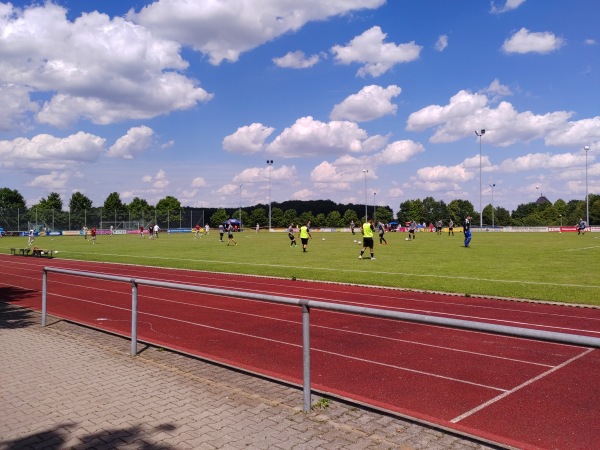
point(307, 305)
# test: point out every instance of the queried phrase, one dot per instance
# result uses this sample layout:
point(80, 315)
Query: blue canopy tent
point(236, 224)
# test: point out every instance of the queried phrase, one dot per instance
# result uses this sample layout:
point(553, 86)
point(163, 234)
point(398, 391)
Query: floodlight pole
point(492, 186)
point(480, 134)
point(374, 205)
point(587, 199)
point(366, 171)
point(270, 164)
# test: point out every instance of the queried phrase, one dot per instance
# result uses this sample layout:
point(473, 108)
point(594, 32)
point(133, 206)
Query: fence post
point(44, 295)
point(134, 301)
point(306, 355)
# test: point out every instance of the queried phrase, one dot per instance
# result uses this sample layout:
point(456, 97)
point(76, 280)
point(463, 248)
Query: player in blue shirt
point(467, 230)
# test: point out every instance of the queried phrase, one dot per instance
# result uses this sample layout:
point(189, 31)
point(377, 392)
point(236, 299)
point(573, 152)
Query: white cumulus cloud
point(248, 139)
point(49, 152)
point(509, 5)
point(310, 137)
point(100, 69)
point(370, 103)
point(378, 57)
point(441, 43)
point(223, 29)
point(525, 41)
point(134, 142)
point(296, 60)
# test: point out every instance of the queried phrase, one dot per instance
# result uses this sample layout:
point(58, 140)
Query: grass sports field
point(539, 266)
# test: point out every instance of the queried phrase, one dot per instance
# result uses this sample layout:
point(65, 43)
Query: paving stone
point(72, 387)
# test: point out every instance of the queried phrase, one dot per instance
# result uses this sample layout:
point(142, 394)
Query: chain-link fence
point(37, 219)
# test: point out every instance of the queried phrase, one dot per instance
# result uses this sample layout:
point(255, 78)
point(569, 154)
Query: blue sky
point(190, 99)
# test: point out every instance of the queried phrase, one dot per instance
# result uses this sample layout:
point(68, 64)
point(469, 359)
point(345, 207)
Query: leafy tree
point(139, 209)
point(79, 202)
point(245, 219)
point(289, 216)
point(502, 217)
point(459, 209)
point(259, 216)
point(53, 201)
point(384, 214)
point(113, 202)
point(11, 199)
point(305, 217)
point(218, 217)
point(319, 220)
point(434, 210)
point(594, 201)
point(334, 219)
point(277, 217)
point(410, 210)
point(487, 215)
point(349, 216)
point(169, 203)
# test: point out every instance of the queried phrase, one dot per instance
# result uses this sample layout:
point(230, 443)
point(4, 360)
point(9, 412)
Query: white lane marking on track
point(329, 269)
point(316, 349)
point(295, 322)
point(328, 352)
point(499, 320)
point(521, 386)
point(467, 316)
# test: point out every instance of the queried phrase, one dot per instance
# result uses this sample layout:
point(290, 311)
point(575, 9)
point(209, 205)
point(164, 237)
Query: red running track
point(516, 392)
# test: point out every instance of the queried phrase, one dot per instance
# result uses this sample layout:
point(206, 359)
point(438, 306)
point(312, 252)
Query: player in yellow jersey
point(305, 235)
point(367, 231)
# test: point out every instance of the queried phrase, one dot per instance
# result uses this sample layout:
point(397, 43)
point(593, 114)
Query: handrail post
point(134, 301)
point(44, 295)
point(306, 355)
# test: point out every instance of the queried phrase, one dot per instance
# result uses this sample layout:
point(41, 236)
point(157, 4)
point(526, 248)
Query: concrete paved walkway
point(69, 387)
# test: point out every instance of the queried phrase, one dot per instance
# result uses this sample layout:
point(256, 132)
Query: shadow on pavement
point(12, 316)
point(56, 438)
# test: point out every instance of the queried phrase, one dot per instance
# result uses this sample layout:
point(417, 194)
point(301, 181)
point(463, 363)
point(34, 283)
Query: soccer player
point(451, 227)
point(467, 230)
point(291, 236)
point(367, 231)
point(197, 231)
point(31, 238)
point(381, 231)
point(230, 235)
point(141, 231)
point(221, 231)
point(305, 235)
point(93, 234)
point(412, 228)
point(156, 229)
point(581, 227)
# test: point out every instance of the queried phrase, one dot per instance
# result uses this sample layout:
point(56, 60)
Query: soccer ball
point(56, 252)
point(406, 239)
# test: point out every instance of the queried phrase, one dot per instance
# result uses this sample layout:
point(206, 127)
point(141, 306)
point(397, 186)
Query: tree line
point(168, 212)
point(534, 214)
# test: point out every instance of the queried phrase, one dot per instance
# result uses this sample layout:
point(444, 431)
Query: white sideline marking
point(527, 383)
point(582, 248)
point(328, 269)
